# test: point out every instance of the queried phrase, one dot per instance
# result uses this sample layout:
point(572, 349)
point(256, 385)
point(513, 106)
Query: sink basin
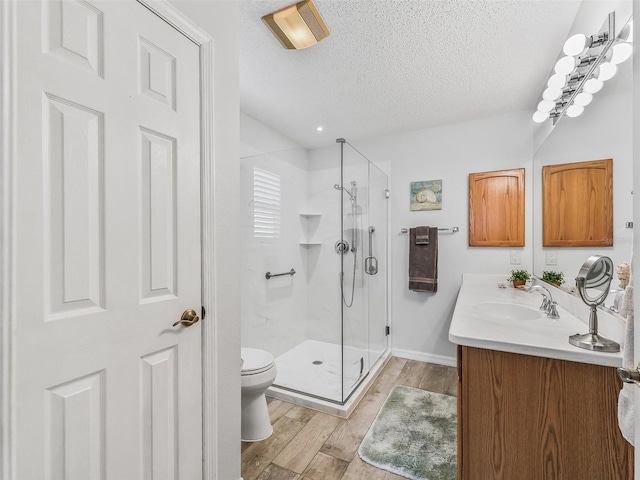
point(505, 311)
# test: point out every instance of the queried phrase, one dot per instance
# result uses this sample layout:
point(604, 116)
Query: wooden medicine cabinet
point(577, 204)
point(496, 208)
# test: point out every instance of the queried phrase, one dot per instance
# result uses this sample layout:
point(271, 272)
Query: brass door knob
point(188, 318)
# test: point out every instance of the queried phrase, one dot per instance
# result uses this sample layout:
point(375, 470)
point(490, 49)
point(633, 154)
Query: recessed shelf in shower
point(310, 222)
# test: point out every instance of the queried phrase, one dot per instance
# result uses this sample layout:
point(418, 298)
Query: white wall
point(420, 321)
point(273, 312)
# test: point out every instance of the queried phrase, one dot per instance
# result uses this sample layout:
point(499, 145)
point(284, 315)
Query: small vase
point(518, 283)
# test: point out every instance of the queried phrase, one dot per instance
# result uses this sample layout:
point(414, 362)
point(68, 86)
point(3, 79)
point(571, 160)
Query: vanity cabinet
point(531, 418)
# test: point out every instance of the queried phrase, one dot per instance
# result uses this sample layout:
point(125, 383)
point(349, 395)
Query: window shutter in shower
point(266, 204)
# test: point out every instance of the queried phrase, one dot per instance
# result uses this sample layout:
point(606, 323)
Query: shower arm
point(340, 187)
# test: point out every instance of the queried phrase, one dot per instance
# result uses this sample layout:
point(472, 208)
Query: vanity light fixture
point(297, 26)
point(586, 63)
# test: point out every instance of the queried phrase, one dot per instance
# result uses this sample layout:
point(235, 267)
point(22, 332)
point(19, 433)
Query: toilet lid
point(255, 361)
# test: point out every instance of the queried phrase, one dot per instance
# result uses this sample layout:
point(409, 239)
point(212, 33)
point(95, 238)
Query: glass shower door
point(375, 265)
point(364, 269)
point(354, 214)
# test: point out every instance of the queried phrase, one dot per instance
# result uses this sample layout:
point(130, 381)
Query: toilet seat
point(255, 361)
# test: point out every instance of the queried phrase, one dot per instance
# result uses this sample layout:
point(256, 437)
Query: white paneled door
point(107, 245)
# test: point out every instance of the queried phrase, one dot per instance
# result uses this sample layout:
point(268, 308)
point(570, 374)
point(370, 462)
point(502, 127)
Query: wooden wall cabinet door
point(577, 204)
point(496, 208)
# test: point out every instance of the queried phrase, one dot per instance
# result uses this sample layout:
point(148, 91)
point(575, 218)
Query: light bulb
point(540, 117)
point(583, 99)
point(593, 85)
point(621, 52)
point(607, 71)
point(574, 111)
point(557, 81)
point(565, 65)
point(546, 106)
point(551, 93)
point(575, 44)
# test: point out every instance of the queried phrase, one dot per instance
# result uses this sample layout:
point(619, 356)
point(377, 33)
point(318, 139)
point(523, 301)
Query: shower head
point(338, 187)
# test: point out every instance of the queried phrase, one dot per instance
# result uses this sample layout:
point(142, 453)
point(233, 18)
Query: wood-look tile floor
point(310, 445)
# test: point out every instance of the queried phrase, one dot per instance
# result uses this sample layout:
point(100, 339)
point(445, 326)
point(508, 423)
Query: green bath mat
point(414, 435)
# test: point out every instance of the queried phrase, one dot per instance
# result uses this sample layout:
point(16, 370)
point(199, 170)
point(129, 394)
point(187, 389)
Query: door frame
point(8, 144)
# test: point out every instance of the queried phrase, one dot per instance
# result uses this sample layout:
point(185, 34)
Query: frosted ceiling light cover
point(621, 52)
point(551, 93)
point(540, 117)
point(565, 65)
point(557, 81)
point(593, 85)
point(607, 71)
point(297, 26)
point(574, 111)
point(583, 99)
point(575, 44)
point(546, 106)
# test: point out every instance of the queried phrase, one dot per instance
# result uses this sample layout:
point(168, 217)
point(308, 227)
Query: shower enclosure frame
point(353, 332)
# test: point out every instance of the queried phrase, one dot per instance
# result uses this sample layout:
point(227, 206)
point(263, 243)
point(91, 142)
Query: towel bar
point(268, 275)
point(443, 229)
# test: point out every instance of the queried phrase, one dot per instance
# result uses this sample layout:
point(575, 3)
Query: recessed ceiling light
point(319, 128)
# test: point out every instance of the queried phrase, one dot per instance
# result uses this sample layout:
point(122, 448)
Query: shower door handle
point(371, 262)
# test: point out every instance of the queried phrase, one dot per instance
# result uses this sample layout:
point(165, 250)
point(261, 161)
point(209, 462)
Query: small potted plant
point(554, 278)
point(519, 277)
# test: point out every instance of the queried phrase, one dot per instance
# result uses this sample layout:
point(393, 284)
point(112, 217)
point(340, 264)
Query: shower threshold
point(309, 375)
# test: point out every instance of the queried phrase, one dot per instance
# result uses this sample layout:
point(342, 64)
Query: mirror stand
point(591, 340)
point(595, 275)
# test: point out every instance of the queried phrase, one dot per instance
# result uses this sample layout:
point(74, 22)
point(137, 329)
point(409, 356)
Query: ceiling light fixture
point(586, 63)
point(297, 26)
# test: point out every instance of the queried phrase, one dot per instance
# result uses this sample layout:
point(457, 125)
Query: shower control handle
point(342, 247)
point(371, 265)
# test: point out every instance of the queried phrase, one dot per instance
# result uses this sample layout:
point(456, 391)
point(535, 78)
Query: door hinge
point(387, 330)
point(203, 312)
point(387, 193)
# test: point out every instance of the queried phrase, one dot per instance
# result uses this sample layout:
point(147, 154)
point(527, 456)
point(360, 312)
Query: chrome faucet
point(548, 305)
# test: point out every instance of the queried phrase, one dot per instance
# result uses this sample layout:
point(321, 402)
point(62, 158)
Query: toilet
point(258, 373)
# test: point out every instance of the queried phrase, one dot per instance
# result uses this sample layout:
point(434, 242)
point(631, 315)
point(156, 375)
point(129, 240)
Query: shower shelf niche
point(309, 219)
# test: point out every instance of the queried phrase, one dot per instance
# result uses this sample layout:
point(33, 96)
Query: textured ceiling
point(398, 65)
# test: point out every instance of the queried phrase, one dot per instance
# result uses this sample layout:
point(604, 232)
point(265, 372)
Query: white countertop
point(541, 336)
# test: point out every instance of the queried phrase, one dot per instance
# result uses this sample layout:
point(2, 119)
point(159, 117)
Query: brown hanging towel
point(423, 259)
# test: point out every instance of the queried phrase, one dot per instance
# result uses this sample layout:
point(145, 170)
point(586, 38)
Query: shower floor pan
point(309, 375)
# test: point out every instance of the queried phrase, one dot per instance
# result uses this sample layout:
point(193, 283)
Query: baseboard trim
point(424, 357)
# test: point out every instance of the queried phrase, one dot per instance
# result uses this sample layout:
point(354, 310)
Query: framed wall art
point(426, 195)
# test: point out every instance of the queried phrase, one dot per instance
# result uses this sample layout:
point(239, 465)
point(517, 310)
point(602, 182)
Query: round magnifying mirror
point(595, 277)
point(593, 282)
